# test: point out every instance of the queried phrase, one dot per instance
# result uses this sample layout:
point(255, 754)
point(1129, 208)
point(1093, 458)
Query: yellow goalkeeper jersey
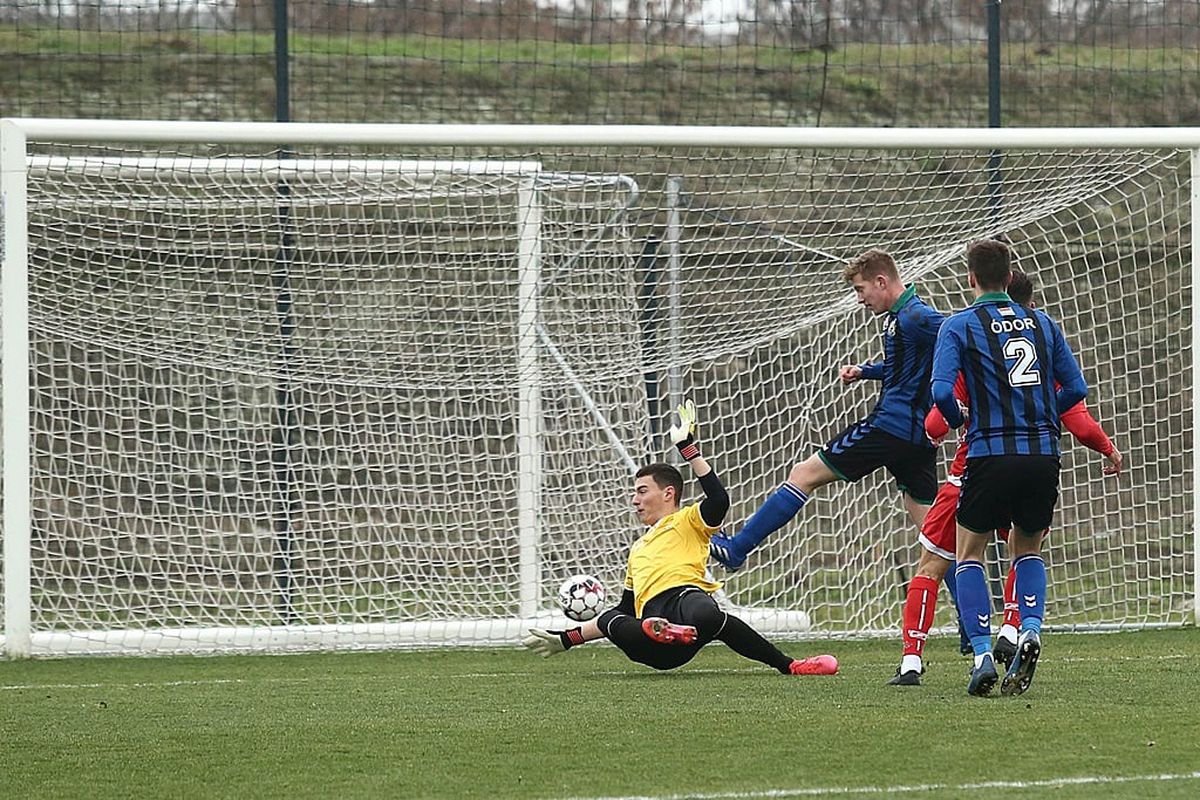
point(672, 553)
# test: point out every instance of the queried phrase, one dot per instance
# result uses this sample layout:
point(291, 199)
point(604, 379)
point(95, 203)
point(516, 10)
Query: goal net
point(364, 393)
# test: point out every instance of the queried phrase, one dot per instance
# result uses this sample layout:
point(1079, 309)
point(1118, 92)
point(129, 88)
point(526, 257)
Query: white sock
point(1008, 632)
point(910, 664)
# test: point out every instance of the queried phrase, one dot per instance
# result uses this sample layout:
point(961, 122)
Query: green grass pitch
point(1108, 716)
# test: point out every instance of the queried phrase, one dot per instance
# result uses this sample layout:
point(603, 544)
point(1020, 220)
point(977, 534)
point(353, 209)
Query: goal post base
point(416, 635)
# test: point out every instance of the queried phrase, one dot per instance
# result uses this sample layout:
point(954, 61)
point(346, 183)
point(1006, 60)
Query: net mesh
point(282, 400)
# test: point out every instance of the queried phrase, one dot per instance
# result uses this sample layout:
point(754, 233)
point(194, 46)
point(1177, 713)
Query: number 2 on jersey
point(1022, 373)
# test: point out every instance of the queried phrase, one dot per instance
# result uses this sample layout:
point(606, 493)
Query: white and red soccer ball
point(581, 597)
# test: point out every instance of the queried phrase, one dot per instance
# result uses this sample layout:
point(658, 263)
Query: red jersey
point(1076, 419)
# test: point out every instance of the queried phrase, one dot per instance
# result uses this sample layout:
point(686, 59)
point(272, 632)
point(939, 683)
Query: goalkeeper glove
point(551, 643)
point(683, 435)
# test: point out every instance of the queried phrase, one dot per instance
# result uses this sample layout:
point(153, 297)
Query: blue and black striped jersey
point(909, 332)
point(1012, 358)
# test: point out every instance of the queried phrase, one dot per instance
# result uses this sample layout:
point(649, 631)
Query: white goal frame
point(16, 134)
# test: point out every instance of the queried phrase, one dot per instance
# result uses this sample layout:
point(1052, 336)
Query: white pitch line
point(1046, 659)
point(144, 685)
point(315, 679)
point(829, 791)
point(747, 670)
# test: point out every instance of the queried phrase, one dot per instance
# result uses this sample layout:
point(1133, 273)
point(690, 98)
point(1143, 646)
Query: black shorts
point(1001, 491)
point(685, 605)
point(862, 448)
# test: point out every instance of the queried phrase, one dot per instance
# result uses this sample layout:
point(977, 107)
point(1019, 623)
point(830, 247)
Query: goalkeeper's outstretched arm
point(715, 504)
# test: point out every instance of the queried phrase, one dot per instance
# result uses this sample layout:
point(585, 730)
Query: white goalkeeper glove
point(545, 643)
point(683, 435)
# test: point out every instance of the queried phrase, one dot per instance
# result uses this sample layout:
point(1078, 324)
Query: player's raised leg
point(652, 645)
point(778, 510)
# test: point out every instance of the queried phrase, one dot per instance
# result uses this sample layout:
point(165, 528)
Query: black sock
point(745, 641)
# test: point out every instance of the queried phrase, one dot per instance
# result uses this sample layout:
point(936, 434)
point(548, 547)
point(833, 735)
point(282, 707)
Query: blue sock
point(783, 504)
point(952, 583)
point(975, 605)
point(1031, 591)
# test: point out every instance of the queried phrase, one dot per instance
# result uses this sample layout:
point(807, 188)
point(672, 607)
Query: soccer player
point(667, 612)
point(891, 436)
point(938, 532)
point(1011, 358)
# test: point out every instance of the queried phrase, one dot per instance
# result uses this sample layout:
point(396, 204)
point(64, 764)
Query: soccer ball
point(581, 597)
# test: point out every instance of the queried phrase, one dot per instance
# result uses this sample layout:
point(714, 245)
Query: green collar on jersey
point(992, 297)
point(909, 293)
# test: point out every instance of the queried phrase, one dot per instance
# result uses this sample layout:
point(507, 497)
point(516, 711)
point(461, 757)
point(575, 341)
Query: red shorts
point(938, 530)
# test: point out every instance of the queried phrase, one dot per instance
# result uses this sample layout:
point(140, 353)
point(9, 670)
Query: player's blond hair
point(871, 264)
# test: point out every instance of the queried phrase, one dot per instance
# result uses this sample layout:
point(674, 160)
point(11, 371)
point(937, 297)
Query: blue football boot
point(983, 677)
point(725, 551)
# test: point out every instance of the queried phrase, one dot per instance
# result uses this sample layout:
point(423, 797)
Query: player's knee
point(699, 610)
point(709, 621)
point(796, 474)
point(1023, 544)
point(810, 474)
point(932, 566)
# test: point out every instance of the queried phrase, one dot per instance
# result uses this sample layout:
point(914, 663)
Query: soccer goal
point(286, 387)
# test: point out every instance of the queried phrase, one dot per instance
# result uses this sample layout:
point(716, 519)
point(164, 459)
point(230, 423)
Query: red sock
point(1012, 611)
point(919, 606)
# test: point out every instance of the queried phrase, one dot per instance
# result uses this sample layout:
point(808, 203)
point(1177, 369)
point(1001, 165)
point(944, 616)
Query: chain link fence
point(750, 62)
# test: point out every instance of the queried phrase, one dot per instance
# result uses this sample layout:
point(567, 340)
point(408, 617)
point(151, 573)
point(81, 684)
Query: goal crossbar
point(74, 130)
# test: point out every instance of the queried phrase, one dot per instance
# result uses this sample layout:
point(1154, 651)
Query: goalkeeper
point(667, 612)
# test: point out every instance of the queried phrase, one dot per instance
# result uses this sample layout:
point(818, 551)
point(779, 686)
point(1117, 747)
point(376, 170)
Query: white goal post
point(278, 387)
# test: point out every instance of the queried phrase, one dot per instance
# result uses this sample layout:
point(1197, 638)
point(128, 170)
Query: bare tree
point(669, 21)
point(590, 22)
point(795, 23)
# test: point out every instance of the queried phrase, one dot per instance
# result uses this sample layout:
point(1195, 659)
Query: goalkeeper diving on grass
point(667, 611)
